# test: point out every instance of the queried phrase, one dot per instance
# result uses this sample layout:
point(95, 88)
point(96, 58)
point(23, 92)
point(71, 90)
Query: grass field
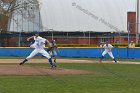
point(106, 78)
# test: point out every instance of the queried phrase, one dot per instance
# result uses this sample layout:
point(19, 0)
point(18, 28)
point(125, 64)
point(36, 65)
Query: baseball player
point(108, 49)
point(52, 50)
point(39, 45)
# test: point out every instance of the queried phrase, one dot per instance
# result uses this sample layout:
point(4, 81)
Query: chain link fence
point(16, 39)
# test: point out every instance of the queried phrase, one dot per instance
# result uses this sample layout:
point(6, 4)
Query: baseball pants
point(36, 51)
point(110, 54)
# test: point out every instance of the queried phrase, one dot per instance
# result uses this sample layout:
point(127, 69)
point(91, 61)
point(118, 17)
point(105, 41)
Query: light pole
point(19, 41)
point(137, 23)
point(128, 28)
point(39, 21)
point(51, 30)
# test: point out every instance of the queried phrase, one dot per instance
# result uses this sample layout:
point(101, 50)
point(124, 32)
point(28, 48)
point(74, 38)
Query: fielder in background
point(39, 45)
point(52, 50)
point(108, 50)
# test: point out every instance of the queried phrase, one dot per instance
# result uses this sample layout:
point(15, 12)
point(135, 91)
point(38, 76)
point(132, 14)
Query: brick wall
point(131, 18)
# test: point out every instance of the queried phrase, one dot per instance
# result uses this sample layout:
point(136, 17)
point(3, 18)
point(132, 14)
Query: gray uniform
point(52, 48)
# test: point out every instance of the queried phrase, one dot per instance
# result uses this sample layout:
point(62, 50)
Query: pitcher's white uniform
point(108, 50)
point(39, 45)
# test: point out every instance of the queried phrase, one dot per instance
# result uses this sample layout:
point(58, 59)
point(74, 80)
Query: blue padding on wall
point(15, 51)
point(76, 52)
point(79, 52)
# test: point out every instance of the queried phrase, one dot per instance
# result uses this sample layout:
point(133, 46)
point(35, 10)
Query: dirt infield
point(45, 61)
point(7, 69)
point(37, 70)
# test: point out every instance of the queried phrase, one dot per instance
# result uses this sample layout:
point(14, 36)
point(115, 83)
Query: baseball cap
point(36, 32)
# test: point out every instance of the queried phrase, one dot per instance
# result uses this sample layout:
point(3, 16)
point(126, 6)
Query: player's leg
point(111, 55)
point(51, 54)
point(29, 57)
point(55, 55)
point(44, 53)
point(103, 54)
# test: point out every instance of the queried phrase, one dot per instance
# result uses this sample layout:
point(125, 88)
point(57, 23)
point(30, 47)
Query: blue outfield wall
point(97, 52)
point(76, 52)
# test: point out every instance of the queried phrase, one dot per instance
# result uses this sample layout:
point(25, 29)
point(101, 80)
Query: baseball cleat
point(115, 60)
point(53, 66)
point(21, 63)
point(101, 58)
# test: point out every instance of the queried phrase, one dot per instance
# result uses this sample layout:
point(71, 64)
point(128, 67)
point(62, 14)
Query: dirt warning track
point(64, 61)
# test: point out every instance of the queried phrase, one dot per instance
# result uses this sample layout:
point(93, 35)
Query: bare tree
point(26, 8)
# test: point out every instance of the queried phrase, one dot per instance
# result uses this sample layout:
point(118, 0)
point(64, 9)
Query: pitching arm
point(48, 42)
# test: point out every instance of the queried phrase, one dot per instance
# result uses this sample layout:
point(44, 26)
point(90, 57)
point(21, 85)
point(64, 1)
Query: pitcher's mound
point(36, 70)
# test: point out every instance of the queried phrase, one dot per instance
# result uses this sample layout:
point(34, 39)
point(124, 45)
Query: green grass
point(106, 78)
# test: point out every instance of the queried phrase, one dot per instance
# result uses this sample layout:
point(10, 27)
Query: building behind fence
point(12, 39)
